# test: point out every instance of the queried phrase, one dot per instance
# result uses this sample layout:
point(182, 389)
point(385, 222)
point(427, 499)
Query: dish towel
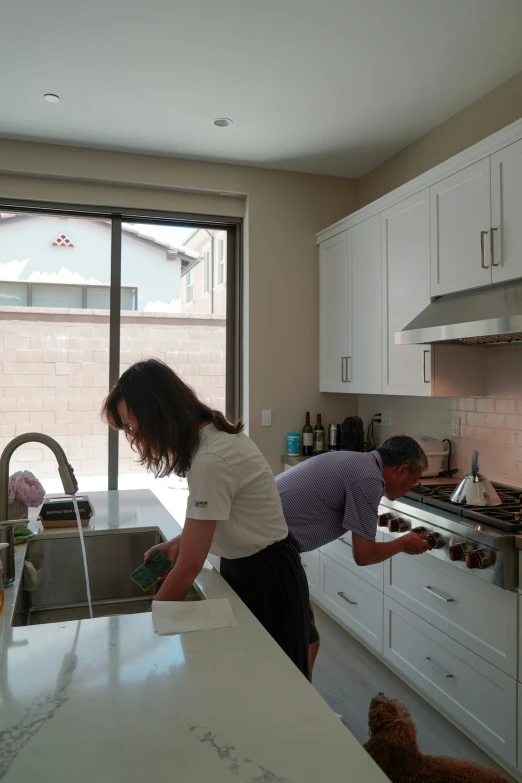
point(171, 617)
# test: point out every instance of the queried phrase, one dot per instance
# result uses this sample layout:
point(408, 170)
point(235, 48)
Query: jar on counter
point(293, 444)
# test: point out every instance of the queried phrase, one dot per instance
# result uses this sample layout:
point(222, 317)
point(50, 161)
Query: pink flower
point(24, 486)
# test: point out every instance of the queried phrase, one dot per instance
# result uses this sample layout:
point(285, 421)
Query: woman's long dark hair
point(168, 416)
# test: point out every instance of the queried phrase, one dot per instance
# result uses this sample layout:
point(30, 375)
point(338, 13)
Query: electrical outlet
point(266, 418)
point(455, 427)
point(387, 418)
point(378, 417)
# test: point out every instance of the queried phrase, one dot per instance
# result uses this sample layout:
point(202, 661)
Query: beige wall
point(494, 111)
point(283, 213)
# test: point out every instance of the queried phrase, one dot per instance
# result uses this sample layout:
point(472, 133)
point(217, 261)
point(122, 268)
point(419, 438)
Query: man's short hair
point(403, 450)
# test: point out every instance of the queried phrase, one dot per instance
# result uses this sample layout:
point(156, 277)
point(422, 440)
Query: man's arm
point(193, 550)
point(367, 552)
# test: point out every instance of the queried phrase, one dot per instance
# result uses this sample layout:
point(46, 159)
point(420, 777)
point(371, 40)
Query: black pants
point(273, 584)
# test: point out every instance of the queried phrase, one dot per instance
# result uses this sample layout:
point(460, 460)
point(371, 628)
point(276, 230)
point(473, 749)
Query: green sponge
point(147, 574)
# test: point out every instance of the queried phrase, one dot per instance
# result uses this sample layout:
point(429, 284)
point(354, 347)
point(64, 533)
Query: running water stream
point(84, 555)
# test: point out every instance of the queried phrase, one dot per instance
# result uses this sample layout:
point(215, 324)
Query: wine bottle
point(318, 436)
point(308, 437)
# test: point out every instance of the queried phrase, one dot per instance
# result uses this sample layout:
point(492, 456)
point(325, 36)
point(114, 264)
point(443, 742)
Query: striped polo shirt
point(327, 495)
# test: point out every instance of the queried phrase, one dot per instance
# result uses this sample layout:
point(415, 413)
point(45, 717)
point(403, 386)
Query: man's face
point(398, 481)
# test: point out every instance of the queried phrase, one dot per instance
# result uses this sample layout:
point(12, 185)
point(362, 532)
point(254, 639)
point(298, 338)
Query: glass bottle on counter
point(318, 436)
point(308, 437)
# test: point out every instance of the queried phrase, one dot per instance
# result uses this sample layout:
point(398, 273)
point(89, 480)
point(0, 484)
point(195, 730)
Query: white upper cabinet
point(335, 338)
point(405, 293)
point(454, 228)
point(350, 310)
point(460, 230)
point(506, 213)
point(364, 369)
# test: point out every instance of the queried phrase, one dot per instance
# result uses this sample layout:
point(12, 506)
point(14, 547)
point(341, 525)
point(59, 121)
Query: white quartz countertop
point(108, 700)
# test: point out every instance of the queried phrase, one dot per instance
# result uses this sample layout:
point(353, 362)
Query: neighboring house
point(203, 281)
point(51, 261)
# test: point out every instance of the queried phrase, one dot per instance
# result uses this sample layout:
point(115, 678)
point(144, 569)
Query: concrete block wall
point(54, 375)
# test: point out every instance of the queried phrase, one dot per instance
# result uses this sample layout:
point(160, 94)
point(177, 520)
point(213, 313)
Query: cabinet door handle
point(482, 261)
point(348, 374)
point(438, 595)
point(345, 542)
point(345, 598)
point(437, 668)
point(492, 245)
point(343, 369)
point(424, 379)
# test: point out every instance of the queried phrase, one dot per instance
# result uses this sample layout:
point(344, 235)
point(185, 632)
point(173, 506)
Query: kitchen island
point(108, 700)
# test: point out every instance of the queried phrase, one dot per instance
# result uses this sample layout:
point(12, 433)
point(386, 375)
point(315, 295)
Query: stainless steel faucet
point(70, 486)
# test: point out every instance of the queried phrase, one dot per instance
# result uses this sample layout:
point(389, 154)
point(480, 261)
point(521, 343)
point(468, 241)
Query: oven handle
point(438, 595)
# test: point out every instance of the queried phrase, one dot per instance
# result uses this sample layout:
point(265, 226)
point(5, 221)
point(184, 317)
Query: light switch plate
point(266, 418)
point(455, 427)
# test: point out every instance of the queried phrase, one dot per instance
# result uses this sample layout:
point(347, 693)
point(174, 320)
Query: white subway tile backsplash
point(492, 425)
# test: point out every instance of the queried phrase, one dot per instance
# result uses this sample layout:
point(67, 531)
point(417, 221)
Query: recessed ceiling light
point(222, 122)
point(51, 97)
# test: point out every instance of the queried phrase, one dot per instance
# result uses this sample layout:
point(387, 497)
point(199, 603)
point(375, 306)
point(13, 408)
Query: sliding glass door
point(84, 296)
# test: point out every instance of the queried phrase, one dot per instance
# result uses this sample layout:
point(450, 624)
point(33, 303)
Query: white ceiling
point(326, 86)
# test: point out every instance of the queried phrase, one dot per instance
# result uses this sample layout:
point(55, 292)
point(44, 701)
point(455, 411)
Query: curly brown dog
point(393, 746)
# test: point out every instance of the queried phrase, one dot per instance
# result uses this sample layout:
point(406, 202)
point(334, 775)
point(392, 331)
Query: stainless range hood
point(483, 316)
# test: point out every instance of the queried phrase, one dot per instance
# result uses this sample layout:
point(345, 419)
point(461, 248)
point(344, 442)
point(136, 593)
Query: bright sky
point(174, 235)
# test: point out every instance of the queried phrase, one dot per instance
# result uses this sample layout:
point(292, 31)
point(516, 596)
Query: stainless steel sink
point(112, 555)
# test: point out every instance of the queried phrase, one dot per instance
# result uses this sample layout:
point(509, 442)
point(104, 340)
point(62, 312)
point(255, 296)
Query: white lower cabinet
point(341, 551)
point(310, 561)
point(355, 603)
point(519, 765)
point(476, 694)
point(474, 613)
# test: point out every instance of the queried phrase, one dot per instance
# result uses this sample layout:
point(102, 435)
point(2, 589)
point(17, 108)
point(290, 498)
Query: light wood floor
point(347, 676)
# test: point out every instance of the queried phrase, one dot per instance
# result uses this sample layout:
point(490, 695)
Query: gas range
point(479, 541)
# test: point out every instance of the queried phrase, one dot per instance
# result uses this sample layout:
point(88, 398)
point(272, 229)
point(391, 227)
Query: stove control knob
point(422, 531)
point(397, 525)
point(383, 520)
point(479, 558)
point(457, 552)
point(435, 540)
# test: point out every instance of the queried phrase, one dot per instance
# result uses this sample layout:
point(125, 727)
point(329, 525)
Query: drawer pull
point(342, 595)
point(345, 542)
point(438, 595)
point(437, 668)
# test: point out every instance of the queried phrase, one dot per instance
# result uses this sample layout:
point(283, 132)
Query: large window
point(65, 339)
point(55, 371)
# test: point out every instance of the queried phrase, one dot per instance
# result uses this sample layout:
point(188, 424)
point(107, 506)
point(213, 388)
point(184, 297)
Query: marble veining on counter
point(109, 700)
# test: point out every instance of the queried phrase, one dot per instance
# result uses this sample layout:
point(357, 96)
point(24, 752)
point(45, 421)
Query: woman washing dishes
point(233, 509)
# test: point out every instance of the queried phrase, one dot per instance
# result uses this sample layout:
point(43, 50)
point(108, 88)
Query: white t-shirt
point(230, 481)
